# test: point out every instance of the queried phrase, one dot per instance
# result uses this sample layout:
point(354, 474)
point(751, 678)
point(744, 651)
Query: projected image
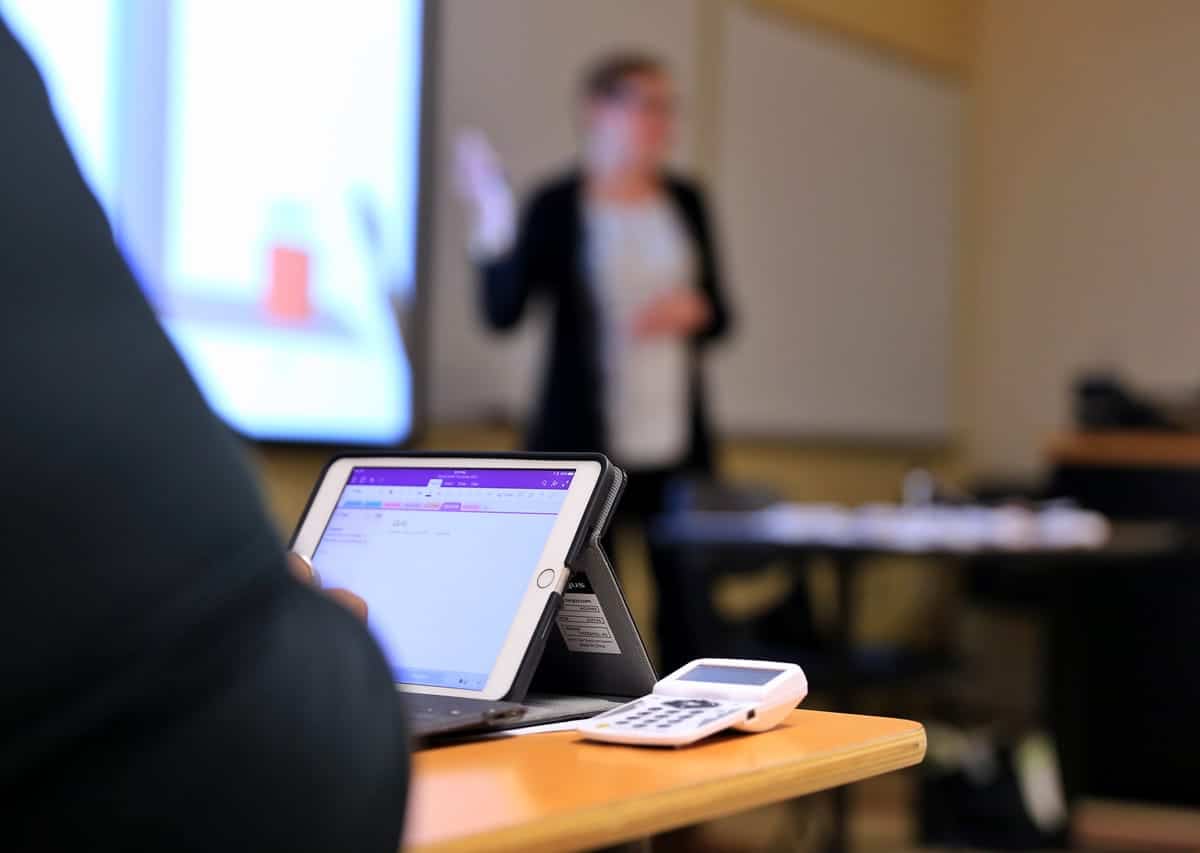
point(259, 164)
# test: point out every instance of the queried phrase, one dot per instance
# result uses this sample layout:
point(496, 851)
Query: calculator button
point(690, 703)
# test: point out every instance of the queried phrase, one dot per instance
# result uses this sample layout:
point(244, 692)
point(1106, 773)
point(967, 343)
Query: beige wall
point(1083, 169)
point(1086, 167)
point(938, 33)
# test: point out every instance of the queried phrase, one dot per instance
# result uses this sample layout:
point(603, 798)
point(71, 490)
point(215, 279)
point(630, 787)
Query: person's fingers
point(356, 604)
point(699, 312)
point(686, 310)
point(301, 568)
point(680, 312)
point(304, 572)
point(647, 320)
point(476, 164)
point(465, 165)
point(657, 315)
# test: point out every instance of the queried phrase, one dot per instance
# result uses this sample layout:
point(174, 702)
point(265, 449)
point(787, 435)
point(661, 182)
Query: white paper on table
point(543, 728)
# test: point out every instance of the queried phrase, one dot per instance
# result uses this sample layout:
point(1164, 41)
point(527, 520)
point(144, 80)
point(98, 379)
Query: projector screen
point(259, 163)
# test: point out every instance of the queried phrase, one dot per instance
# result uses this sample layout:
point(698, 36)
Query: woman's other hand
point(305, 573)
point(479, 179)
point(679, 313)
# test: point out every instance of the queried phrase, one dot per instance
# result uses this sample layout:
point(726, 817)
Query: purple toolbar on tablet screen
point(462, 478)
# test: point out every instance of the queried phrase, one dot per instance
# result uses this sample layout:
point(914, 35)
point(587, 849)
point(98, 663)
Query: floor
point(881, 819)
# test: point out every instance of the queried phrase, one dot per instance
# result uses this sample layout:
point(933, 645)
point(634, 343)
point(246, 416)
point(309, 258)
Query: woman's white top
point(635, 253)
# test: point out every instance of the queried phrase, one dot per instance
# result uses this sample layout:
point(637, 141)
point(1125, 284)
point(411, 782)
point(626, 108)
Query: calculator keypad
point(653, 716)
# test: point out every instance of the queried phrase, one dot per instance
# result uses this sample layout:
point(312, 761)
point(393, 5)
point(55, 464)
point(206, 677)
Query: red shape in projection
point(287, 288)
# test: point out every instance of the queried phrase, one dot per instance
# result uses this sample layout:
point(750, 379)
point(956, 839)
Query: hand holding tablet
point(304, 572)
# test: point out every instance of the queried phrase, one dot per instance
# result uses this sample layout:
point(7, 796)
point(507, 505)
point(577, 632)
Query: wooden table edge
point(645, 816)
point(1125, 449)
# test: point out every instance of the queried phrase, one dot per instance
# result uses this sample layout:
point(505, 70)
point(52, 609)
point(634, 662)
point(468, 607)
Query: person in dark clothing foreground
point(166, 683)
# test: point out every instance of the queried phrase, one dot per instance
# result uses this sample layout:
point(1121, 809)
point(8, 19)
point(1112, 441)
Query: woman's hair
point(609, 75)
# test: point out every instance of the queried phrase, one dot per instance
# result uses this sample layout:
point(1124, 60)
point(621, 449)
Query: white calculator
point(703, 698)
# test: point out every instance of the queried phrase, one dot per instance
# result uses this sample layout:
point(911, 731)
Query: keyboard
point(430, 715)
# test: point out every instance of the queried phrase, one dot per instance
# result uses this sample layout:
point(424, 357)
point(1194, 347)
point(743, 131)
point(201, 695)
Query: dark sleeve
point(510, 280)
point(695, 208)
point(166, 684)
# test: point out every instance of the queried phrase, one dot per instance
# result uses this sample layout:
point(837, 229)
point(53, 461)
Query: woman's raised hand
point(479, 179)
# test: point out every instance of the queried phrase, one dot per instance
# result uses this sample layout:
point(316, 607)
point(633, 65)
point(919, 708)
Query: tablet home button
point(545, 578)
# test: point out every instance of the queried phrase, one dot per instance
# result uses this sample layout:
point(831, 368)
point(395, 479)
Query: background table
point(558, 792)
point(703, 541)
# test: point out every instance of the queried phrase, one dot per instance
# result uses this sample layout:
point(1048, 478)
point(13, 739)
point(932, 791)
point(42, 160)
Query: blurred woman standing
point(623, 251)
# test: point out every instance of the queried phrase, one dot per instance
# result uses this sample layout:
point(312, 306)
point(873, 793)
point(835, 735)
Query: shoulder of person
point(556, 192)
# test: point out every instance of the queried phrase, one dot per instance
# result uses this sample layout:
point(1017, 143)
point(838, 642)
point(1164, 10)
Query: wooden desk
point(557, 792)
point(1129, 448)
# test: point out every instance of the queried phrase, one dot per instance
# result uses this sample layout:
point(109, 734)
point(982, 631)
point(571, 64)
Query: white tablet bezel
point(554, 555)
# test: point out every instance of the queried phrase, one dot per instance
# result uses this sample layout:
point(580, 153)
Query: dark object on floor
point(978, 804)
point(1131, 737)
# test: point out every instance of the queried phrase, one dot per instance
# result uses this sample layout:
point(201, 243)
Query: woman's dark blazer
point(548, 262)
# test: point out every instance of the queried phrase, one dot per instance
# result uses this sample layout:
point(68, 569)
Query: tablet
point(456, 558)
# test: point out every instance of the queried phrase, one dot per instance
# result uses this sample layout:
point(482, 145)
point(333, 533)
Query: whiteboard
point(836, 191)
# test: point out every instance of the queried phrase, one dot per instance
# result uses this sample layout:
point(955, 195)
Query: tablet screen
point(443, 558)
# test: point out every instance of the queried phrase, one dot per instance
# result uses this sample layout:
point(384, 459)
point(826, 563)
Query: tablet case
point(595, 649)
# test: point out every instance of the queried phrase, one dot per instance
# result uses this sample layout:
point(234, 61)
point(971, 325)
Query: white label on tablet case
point(582, 621)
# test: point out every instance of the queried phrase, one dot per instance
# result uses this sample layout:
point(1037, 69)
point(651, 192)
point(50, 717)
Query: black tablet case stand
point(550, 667)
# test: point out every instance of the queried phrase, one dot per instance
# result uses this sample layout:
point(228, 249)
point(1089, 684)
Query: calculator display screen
point(730, 674)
